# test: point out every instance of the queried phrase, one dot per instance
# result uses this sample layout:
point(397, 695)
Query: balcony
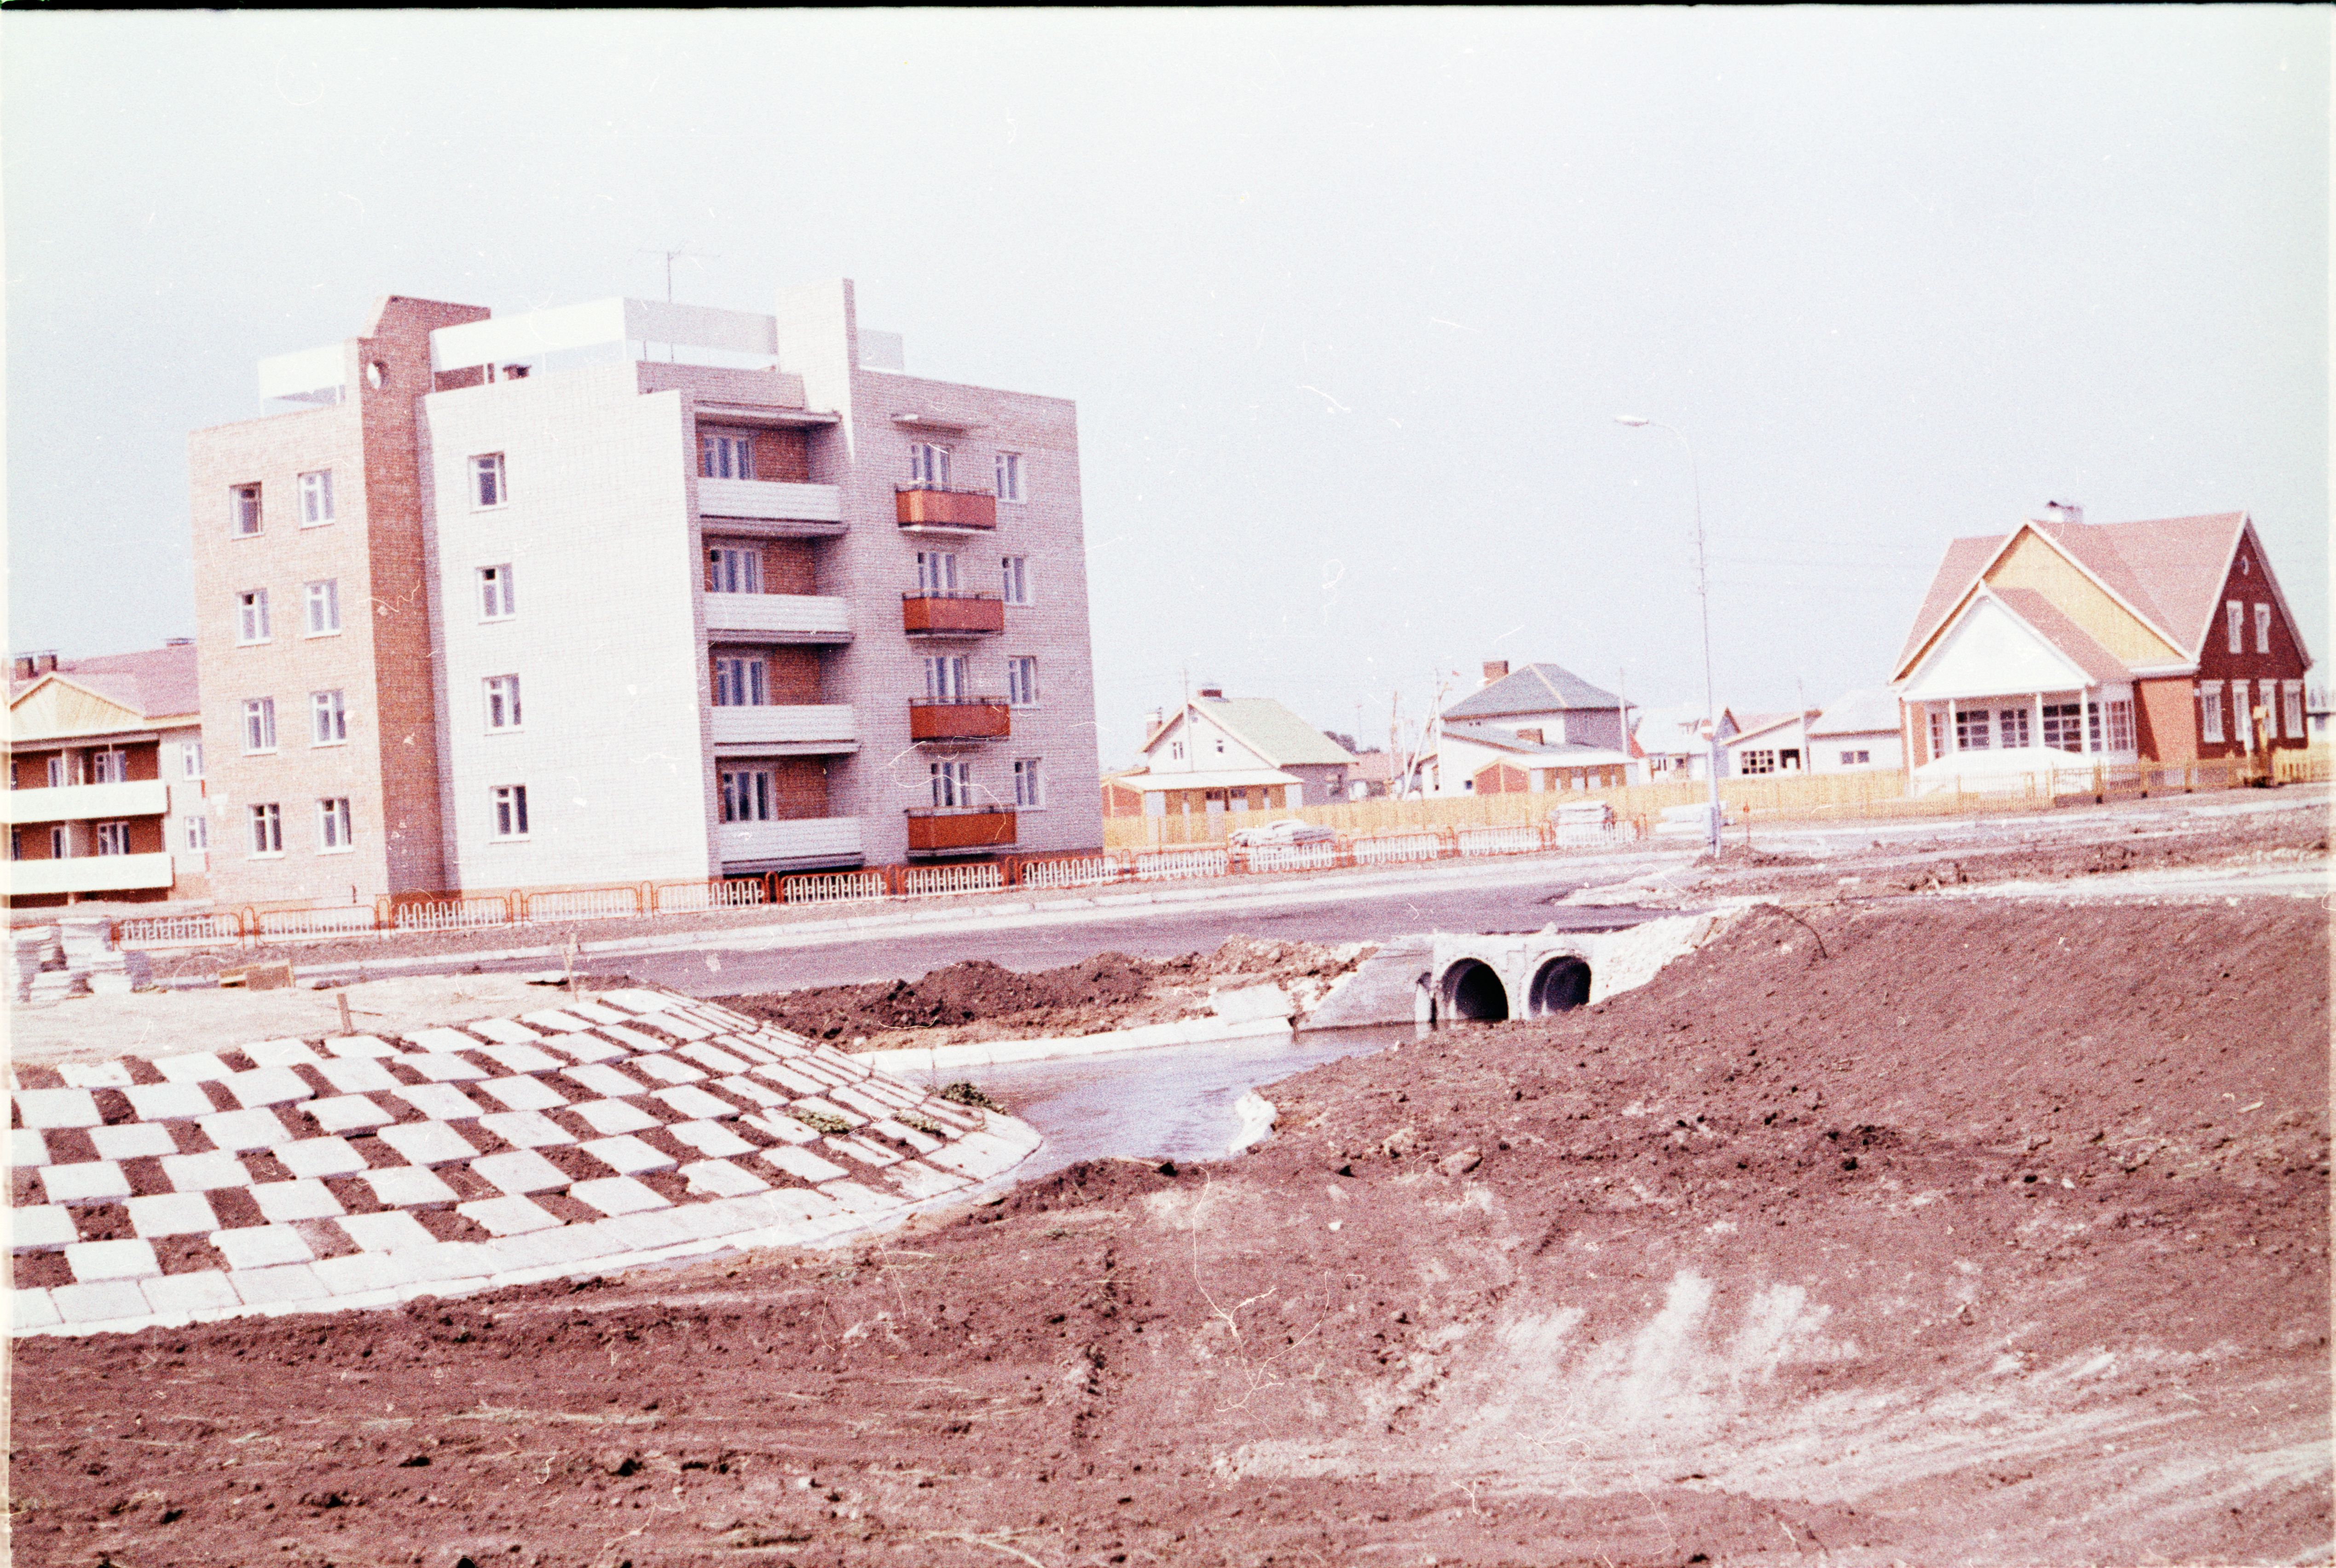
point(86, 802)
point(959, 719)
point(88, 874)
point(771, 509)
point(777, 618)
point(808, 730)
point(937, 511)
point(960, 831)
point(788, 846)
point(952, 614)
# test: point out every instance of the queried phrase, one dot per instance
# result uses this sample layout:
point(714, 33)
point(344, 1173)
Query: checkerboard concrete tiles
point(358, 1170)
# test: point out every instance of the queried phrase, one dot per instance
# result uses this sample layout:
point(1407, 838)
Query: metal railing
point(937, 881)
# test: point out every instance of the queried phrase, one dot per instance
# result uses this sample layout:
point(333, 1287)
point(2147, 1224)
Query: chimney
point(2062, 512)
point(1495, 669)
point(1212, 693)
point(1152, 719)
point(23, 666)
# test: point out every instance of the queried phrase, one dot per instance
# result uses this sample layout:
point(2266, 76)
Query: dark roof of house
point(1534, 689)
point(158, 682)
point(1510, 741)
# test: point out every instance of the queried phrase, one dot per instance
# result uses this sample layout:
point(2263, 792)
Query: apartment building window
point(1016, 575)
point(268, 829)
point(511, 810)
point(746, 795)
point(487, 486)
point(2121, 715)
point(1029, 786)
point(2063, 726)
point(1758, 763)
point(2294, 702)
point(1972, 730)
point(332, 827)
point(741, 683)
point(190, 758)
point(316, 498)
point(16, 843)
point(733, 571)
point(259, 724)
point(952, 783)
point(198, 830)
point(330, 719)
point(936, 572)
point(2210, 709)
point(2237, 613)
point(109, 767)
point(252, 616)
point(503, 702)
point(113, 839)
point(1022, 681)
point(929, 464)
point(325, 607)
point(2262, 628)
point(57, 774)
point(60, 844)
point(726, 457)
point(2012, 728)
point(244, 504)
point(944, 675)
point(498, 599)
point(1009, 476)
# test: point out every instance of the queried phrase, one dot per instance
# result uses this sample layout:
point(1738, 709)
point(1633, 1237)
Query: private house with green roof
point(1247, 739)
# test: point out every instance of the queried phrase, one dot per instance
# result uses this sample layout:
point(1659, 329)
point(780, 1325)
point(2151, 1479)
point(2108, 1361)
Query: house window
point(1029, 786)
point(252, 616)
point(198, 830)
point(57, 772)
point(2063, 726)
point(487, 486)
point(328, 719)
point(243, 503)
point(2120, 714)
point(259, 724)
point(1022, 681)
point(741, 684)
point(1758, 761)
point(190, 758)
point(2210, 709)
point(944, 675)
point(1970, 730)
point(2294, 697)
point(952, 783)
point(1176, 751)
point(498, 599)
point(724, 457)
point(511, 810)
point(113, 839)
point(325, 607)
point(1220, 745)
point(1009, 476)
point(2262, 628)
point(746, 795)
point(503, 702)
point(733, 571)
point(936, 572)
point(2236, 612)
point(268, 829)
point(1856, 759)
point(2012, 728)
point(316, 498)
point(333, 825)
point(109, 767)
point(929, 464)
point(1017, 573)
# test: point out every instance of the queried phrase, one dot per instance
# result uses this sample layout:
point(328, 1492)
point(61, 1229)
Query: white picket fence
point(939, 881)
point(834, 887)
point(175, 931)
point(1522, 839)
point(584, 903)
point(1390, 848)
point(1086, 873)
point(448, 915)
point(1171, 865)
point(337, 922)
point(1292, 856)
point(693, 897)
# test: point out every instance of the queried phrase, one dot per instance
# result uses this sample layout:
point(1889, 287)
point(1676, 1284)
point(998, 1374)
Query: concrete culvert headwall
point(1472, 993)
point(1560, 986)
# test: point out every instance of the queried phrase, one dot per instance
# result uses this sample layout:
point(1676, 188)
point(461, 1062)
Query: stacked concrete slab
point(363, 1170)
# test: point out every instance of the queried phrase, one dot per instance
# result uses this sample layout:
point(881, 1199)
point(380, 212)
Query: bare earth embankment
point(1974, 1234)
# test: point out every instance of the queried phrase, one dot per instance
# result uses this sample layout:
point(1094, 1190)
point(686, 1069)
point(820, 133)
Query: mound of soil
point(1969, 1235)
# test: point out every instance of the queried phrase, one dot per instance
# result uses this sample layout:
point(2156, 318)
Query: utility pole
point(1703, 595)
point(1801, 701)
point(1622, 693)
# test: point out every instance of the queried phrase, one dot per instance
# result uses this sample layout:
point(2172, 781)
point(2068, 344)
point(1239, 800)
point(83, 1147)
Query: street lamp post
point(1703, 595)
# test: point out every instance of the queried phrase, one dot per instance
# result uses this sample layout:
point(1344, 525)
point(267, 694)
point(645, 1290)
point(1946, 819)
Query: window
point(1017, 573)
point(952, 783)
point(198, 830)
point(936, 572)
point(330, 725)
point(487, 486)
point(1758, 761)
point(113, 839)
point(325, 607)
point(2295, 692)
point(929, 465)
point(2210, 709)
point(511, 810)
point(746, 795)
point(497, 597)
point(2012, 728)
point(1856, 759)
point(726, 457)
point(268, 829)
point(57, 774)
point(252, 616)
point(733, 571)
point(190, 758)
point(110, 768)
point(1022, 681)
point(2243, 716)
point(741, 684)
point(1938, 733)
point(1009, 476)
point(1176, 751)
point(60, 844)
point(2262, 628)
point(1970, 730)
point(243, 504)
point(316, 498)
point(503, 702)
point(1029, 789)
point(259, 724)
point(2237, 613)
point(16, 843)
point(2063, 726)
point(1220, 745)
point(944, 675)
point(332, 827)
point(2120, 713)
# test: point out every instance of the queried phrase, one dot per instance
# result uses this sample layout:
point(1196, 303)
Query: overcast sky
point(1347, 300)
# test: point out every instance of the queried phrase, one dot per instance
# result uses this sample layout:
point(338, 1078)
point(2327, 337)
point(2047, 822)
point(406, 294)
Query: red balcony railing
point(948, 830)
point(952, 614)
point(959, 719)
point(923, 508)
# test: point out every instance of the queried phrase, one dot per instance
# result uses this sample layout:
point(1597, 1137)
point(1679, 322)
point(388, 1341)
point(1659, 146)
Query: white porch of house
point(1996, 706)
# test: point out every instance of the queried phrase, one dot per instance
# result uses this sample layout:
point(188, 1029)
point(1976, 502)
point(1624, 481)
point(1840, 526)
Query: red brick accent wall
point(783, 455)
point(790, 566)
point(2250, 584)
point(2166, 716)
point(800, 785)
point(145, 761)
point(794, 676)
point(147, 836)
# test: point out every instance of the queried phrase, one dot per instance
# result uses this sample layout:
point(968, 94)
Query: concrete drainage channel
point(1469, 979)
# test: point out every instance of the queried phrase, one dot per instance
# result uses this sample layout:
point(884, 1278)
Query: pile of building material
point(74, 957)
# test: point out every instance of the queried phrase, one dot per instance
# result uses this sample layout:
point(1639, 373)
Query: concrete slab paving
point(281, 1203)
point(265, 1086)
point(207, 1290)
point(262, 1246)
point(611, 1117)
point(320, 1157)
point(239, 1130)
point(428, 1143)
point(526, 1129)
point(390, 1231)
point(360, 1075)
point(409, 1187)
point(89, 1181)
point(172, 1214)
point(520, 1171)
point(132, 1140)
point(194, 1172)
point(626, 1155)
point(348, 1113)
point(442, 1101)
point(99, 1302)
point(617, 1195)
point(279, 1286)
point(42, 1228)
point(46, 1108)
point(129, 1258)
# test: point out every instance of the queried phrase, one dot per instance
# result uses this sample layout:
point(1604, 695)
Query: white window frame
point(718, 450)
point(2118, 711)
point(929, 465)
point(2236, 613)
point(198, 830)
point(2262, 628)
point(58, 773)
point(111, 766)
point(490, 482)
point(325, 607)
point(316, 492)
point(2066, 720)
point(952, 781)
point(267, 830)
point(730, 569)
point(1029, 784)
point(1974, 724)
point(742, 680)
point(506, 812)
point(251, 624)
point(190, 758)
point(2210, 711)
point(1010, 473)
point(244, 508)
point(2291, 695)
point(112, 837)
point(749, 795)
point(2009, 722)
point(945, 676)
point(334, 836)
point(1014, 573)
point(499, 693)
point(937, 572)
point(1756, 763)
point(496, 587)
point(1022, 680)
point(258, 726)
point(328, 719)
point(61, 843)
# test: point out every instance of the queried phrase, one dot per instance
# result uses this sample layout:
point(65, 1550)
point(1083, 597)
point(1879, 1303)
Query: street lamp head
point(1633, 421)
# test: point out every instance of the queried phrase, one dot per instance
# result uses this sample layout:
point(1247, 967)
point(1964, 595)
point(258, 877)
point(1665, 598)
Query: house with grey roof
point(1234, 736)
point(1549, 699)
point(1858, 733)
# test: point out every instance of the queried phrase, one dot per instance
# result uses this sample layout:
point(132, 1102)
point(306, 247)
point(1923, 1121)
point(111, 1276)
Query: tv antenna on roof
point(670, 256)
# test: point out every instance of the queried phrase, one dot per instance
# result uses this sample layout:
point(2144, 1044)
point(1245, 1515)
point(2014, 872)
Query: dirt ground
point(978, 1000)
point(1905, 1231)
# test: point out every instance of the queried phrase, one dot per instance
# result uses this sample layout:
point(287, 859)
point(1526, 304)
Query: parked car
point(1288, 830)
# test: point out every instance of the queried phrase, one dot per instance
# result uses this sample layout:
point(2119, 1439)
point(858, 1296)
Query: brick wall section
point(2166, 721)
point(790, 566)
point(800, 785)
point(2249, 583)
